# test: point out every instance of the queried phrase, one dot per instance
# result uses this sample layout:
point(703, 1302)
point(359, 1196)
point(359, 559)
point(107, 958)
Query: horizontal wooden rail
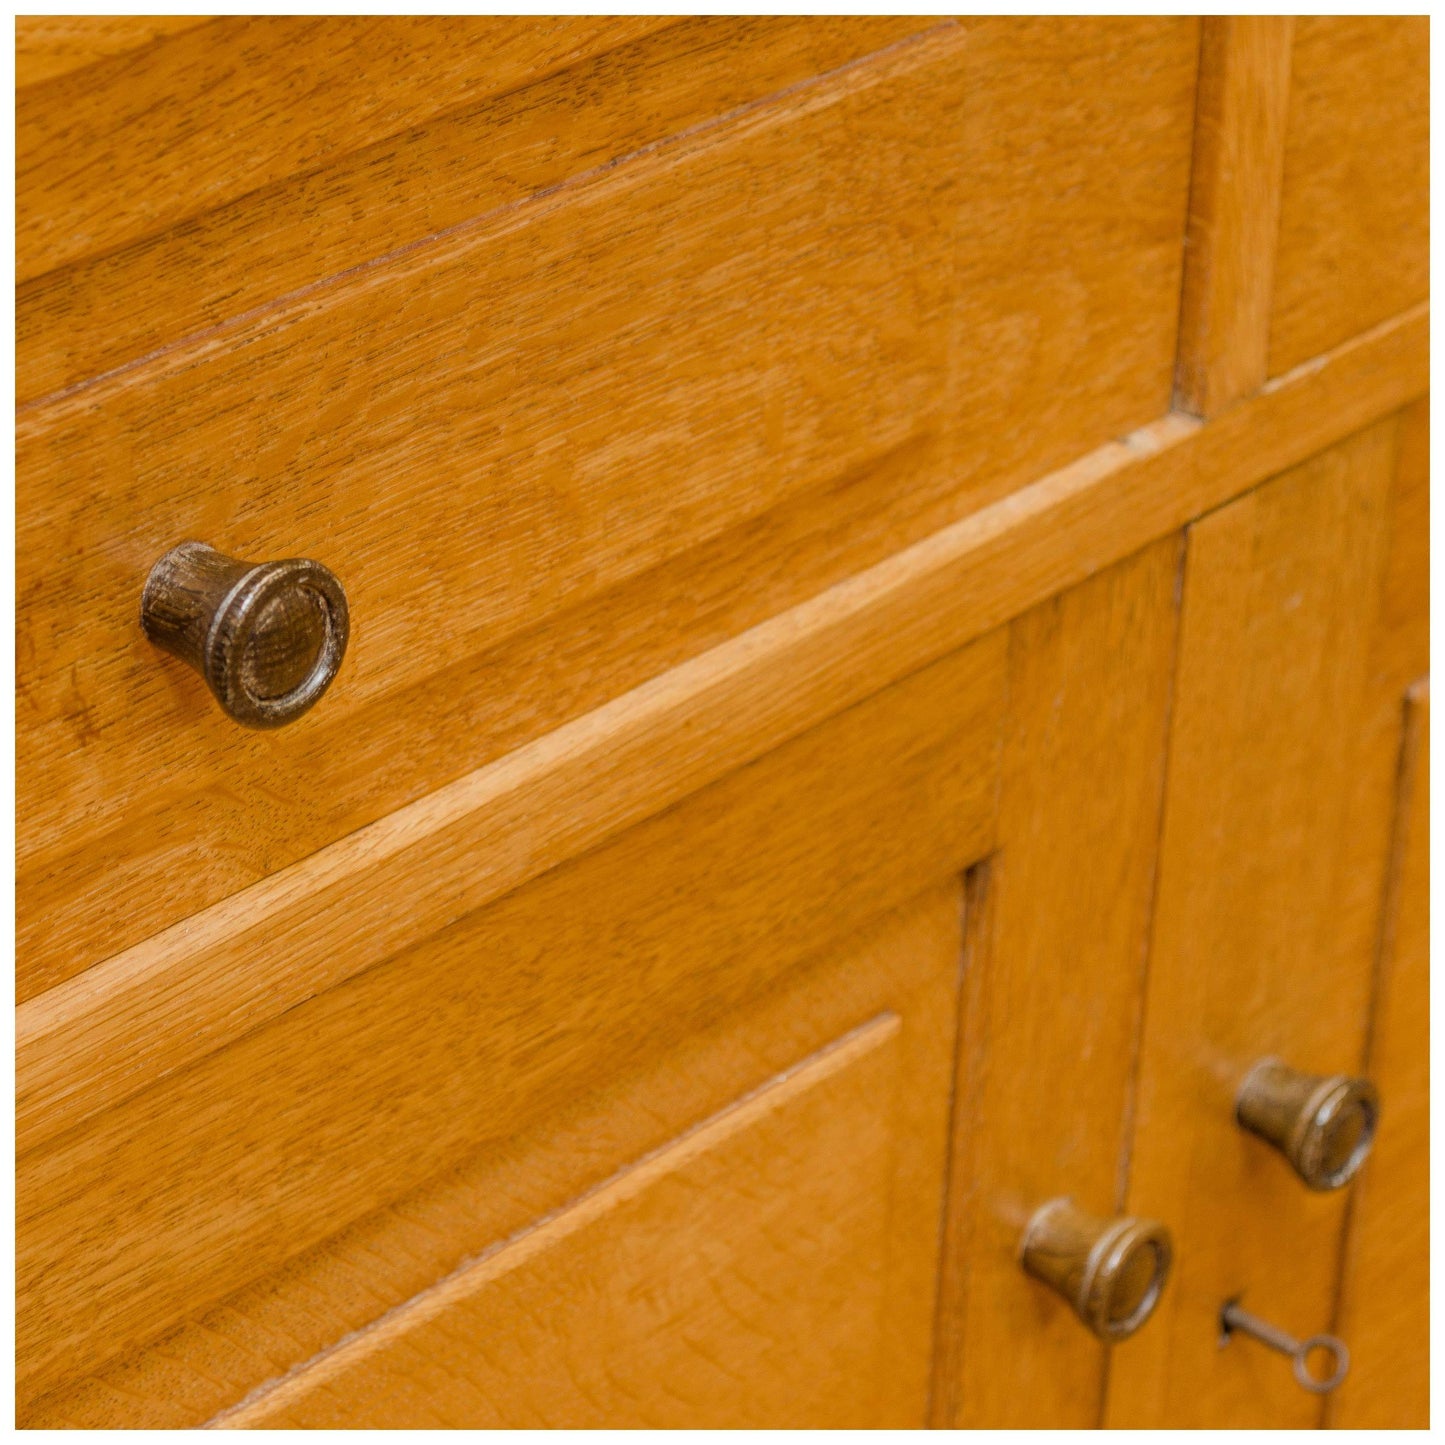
point(106, 1034)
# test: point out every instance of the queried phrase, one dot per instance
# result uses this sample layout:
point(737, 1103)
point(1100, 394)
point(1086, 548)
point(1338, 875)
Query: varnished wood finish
point(145, 140)
point(1385, 1307)
point(474, 437)
point(1354, 214)
point(851, 1223)
point(580, 111)
point(829, 760)
point(904, 964)
point(220, 1173)
point(598, 1316)
point(1053, 991)
point(51, 45)
point(1239, 133)
point(162, 1004)
point(1259, 945)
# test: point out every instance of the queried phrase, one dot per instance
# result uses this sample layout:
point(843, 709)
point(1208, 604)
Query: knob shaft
point(268, 637)
point(1112, 1271)
point(1323, 1124)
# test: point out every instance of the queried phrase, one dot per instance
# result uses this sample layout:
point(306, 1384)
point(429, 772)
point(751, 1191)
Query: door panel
point(1354, 224)
point(772, 1266)
point(1385, 1312)
point(1053, 983)
point(734, 1280)
point(1276, 826)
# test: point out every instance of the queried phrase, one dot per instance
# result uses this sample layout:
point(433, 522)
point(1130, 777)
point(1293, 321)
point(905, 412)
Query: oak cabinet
point(888, 668)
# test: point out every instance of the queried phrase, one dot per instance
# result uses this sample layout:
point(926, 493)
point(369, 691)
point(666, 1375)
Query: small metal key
point(1232, 1318)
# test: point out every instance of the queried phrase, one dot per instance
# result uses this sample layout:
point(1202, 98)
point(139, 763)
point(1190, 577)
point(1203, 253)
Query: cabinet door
point(1276, 832)
point(672, 1117)
point(1058, 924)
point(772, 1266)
point(1385, 1310)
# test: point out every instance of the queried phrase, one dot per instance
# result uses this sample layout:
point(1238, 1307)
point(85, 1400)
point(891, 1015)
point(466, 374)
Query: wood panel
point(144, 140)
point(51, 45)
point(506, 443)
point(1354, 237)
point(1239, 131)
point(216, 1176)
point(1261, 943)
point(158, 1006)
point(735, 1280)
point(1402, 645)
point(905, 964)
point(106, 311)
point(1385, 1305)
point(1053, 986)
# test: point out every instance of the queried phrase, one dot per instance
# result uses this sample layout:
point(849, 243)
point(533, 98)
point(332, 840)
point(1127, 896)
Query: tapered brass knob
point(1323, 1124)
point(267, 637)
point(1112, 1271)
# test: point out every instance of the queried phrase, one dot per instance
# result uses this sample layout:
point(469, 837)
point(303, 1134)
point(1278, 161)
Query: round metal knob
point(1324, 1125)
point(1112, 1271)
point(268, 637)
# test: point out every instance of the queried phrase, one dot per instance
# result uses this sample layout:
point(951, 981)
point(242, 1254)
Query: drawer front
point(412, 127)
point(558, 449)
point(110, 153)
point(1354, 224)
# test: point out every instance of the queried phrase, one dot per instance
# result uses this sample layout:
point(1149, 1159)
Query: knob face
point(1323, 1124)
point(268, 637)
point(1112, 1271)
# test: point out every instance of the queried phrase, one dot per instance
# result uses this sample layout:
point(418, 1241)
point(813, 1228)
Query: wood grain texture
point(222, 1172)
point(145, 140)
point(1276, 828)
point(108, 310)
point(905, 963)
point(1402, 643)
point(154, 1008)
point(1354, 239)
point(734, 1280)
point(1054, 985)
point(1234, 192)
point(51, 45)
point(506, 442)
point(1385, 1305)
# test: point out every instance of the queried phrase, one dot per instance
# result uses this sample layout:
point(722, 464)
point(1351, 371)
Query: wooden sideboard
point(887, 573)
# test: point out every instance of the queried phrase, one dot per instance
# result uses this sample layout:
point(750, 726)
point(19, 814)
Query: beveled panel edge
point(104, 1035)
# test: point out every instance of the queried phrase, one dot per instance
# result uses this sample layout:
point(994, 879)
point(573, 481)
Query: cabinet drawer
point(561, 447)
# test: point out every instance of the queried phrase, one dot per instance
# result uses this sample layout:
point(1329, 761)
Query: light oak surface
point(220, 1173)
point(756, 1249)
point(752, 1250)
point(493, 439)
point(632, 86)
point(51, 45)
point(1239, 136)
point(1053, 989)
point(1354, 234)
point(904, 964)
point(1256, 949)
point(145, 140)
point(1385, 1308)
point(829, 759)
point(157, 1006)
